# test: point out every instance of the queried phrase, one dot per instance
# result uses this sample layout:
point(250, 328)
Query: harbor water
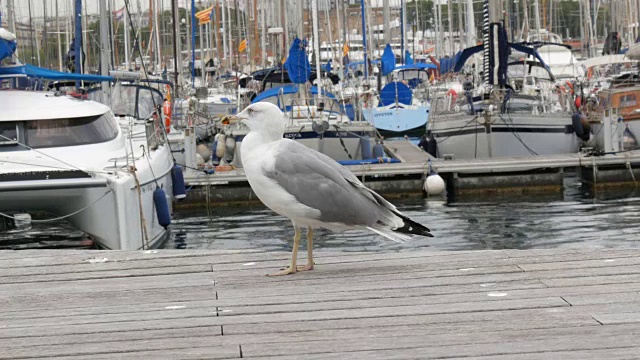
point(573, 219)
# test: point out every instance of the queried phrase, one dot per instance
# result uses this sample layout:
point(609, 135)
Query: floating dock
point(198, 304)
point(463, 178)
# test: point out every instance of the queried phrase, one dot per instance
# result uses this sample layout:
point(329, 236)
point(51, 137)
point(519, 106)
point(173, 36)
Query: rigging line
point(41, 153)
point(146, 74)
point(63, 216)
point(146, 155)
point(459, 129)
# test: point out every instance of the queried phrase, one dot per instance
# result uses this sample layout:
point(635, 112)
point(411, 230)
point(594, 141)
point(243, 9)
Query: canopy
point(606, 60)
point(395, 91)
point(297, 64)
point(275, 91)
point(388, 60)
point(40, 73)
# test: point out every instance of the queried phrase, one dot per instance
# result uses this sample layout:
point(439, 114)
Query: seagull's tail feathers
point(389, 234)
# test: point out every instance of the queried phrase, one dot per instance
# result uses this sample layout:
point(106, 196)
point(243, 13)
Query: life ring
point(166, 109)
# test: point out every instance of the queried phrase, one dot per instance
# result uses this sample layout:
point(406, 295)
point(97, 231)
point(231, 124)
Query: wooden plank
point(528, 341)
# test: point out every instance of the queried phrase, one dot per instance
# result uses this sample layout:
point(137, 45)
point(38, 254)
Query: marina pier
point(507, 304)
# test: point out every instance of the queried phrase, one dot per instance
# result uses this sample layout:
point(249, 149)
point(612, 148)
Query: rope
point(63, 216)
point(342, 142)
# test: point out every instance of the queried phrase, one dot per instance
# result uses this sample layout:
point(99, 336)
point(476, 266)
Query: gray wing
point(319, 182)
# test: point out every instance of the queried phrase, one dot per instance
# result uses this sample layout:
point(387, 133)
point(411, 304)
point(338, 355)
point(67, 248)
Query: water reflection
point(576, 222)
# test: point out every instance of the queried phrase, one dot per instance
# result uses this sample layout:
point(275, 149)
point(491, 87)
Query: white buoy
point(204, 152)
point(434, 185)
point(221, 147)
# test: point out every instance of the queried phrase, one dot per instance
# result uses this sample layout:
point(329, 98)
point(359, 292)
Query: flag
point(345, 50)
point(119, 14)
point(204, 16)
point(243, 45)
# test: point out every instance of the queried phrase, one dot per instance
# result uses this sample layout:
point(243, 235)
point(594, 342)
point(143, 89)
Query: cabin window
point(627, 100)
point(71, 131)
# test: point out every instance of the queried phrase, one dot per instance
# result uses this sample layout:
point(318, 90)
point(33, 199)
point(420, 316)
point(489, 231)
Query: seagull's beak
point(231, 119)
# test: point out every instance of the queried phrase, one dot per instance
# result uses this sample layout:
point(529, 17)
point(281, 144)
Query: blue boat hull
point(398, 119)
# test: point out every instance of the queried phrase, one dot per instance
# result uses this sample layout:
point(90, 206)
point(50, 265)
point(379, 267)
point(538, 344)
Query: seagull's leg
point(310, 264)
point(294, 255)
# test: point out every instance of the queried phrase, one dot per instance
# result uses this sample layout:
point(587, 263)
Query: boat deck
point(533, 304)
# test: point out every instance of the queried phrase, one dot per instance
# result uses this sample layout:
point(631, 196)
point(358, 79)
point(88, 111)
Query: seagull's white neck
point(255, 139)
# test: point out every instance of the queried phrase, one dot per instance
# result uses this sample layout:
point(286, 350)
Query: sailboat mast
point(364, 40)
point(59, 41)
point(263, 37)
point(402, 29)
point(471, 25)
point(193, 43)
point(176, 38)
point(104, 45)
point(77, 48)
point(316, 45)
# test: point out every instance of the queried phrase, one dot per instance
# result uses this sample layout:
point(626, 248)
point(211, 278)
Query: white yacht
point(71, 158)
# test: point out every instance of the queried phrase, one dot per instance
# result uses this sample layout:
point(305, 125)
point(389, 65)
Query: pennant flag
point(243, 45)
point(119, 14)
point(345, 50)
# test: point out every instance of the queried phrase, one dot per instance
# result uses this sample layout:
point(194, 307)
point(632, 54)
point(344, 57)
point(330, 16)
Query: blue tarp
point(7, 48)
point(297, 64)
point(415, 66)
point(393, 91)
point(448, 63)
point(408, 60)
point(388, 60)
point(327, 67)
point(285, 89)
point(40, 73)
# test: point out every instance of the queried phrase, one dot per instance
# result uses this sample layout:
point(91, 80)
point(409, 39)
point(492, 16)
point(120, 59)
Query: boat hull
point(462, 137)
point(398, 119)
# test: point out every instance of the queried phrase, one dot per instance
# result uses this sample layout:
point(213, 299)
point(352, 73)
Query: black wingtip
point(413, 228)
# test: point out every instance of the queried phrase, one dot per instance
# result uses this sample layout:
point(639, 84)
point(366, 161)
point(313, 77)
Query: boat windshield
point(70, 131)
point(131, 100)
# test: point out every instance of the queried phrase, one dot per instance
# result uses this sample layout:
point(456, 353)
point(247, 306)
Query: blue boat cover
point(408, 60)
point(7, 48)
point(388, 60)
point(274, 91)
point(40, 73)
point(314, 91)
point(327, 67)
point(416, 66)
point(393, 91)
point(297, 64)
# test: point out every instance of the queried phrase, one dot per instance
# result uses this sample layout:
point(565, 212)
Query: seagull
point(310, 188)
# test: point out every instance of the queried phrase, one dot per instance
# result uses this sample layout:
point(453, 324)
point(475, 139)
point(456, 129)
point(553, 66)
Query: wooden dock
point(535, 304)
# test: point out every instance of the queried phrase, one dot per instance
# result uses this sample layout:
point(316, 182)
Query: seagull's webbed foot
point(286, 271)
point(305, 267)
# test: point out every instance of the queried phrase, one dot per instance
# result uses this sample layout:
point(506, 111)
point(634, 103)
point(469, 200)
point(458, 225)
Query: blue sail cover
point(408, 60)
point(393, 91)
point(40, 73)
point(7, 48)
point(388, 60)
point(297, 64)
point(327, 67)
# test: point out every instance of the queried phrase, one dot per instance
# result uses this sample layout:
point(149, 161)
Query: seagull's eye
point(250, 111)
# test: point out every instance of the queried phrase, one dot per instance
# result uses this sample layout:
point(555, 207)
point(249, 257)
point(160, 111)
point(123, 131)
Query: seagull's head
point(261, 116)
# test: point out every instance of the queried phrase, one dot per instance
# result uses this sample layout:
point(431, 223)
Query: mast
point(403, 34)
point(386, 18)
point(471, 25)
point(316, 45)
point(104, 46)
point(59, 41)
point(227, 28)
point(450, 20)
point(158, 9)
point(78, 38)
point(215, 26)
point(263, 37)
point(364, 41)
point(45, 36)
point(536, 10)
point(126, 37)
point(193, 43)
point(176, 38)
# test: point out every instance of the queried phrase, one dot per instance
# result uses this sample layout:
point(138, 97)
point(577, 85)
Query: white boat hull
point(462, 137)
